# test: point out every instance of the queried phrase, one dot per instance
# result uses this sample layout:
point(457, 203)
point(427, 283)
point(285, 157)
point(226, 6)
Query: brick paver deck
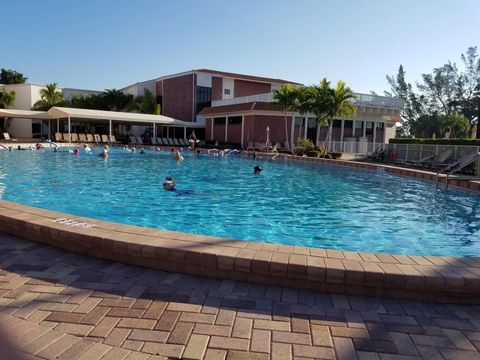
point(56, 304)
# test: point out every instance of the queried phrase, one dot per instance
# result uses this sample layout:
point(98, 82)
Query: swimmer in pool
point(168, 184)
point(257, 170)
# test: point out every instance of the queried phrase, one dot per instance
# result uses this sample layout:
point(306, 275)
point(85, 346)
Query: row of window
point(348, 124)
point(231, 120)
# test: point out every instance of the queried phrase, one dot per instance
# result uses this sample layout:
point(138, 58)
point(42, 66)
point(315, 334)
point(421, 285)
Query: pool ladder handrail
point(456, 166)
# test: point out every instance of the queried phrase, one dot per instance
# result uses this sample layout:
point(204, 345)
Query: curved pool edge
point(424, 278)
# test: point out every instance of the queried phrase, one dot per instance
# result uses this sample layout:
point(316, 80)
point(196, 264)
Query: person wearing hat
point(257, 170)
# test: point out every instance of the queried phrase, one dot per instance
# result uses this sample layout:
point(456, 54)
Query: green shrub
point(313, 153)
point(473, 142)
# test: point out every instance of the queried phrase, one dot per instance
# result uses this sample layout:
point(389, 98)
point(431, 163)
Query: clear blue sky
point(98, 44)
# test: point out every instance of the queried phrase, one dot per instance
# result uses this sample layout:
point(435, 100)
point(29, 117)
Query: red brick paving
point(59, 305)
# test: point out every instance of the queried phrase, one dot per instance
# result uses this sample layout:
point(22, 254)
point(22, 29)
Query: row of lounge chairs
point(432, 161)
point(85, 138)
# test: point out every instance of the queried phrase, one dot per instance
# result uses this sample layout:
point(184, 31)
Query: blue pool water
point(288, 203)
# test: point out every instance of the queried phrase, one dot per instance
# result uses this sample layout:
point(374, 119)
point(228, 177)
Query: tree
point(458, 125)
point(11, 77)
point(440, 88)
point(145, 104)
point(115, 100)
point(49, 96)
point(340, 106)
point(285, 98)
point(320, 99)
point(6, 99)
point(302, 105)
point(413, 107)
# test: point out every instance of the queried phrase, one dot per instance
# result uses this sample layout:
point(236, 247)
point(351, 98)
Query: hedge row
point(473, 142)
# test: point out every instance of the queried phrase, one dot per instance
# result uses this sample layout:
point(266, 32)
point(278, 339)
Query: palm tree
point(6, 99)
point(49, 96)
point(145, 104)
point(340, 105)
point(285, 97)
point(115, 100)
point(302, 105)
point(320, 99)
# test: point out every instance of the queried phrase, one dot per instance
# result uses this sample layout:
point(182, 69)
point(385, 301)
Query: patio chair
point(439, 161)
point(66, 137)
point(97, 138)
point(250, 146)
point(176, 142)
point(261, 146)
point(139, 140)
point(112, 139)
point(82, 138)
point(90, 138)
point(104, 139)
point(74, 137)
point(7, 137)
point(133, 140)
point(153, 140)
point(159, 141)
point(183, 142)
point(58, 137)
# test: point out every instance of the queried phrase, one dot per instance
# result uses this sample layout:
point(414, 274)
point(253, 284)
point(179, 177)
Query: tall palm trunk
point(286, 133)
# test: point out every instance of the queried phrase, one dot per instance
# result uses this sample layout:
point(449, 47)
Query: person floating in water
point(257, 170)
point(169, 184)
point(104, 153)
point(177, 156)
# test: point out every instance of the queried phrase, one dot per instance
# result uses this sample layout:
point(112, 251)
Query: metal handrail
point(456, 166)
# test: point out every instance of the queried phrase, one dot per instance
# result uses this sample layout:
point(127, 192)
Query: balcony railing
point(366, 100)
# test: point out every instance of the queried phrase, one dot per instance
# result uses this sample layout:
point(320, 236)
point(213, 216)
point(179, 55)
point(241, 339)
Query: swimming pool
point(288, 203)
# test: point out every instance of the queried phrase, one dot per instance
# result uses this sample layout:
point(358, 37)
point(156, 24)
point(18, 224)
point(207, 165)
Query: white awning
point(62, 113)
point(27, 114)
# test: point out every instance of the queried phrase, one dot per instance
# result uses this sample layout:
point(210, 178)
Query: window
point(358, 124)
point(203, 97)
point(36, 128)
point(234, 120)
point(348, 124)
point(298, 121)
point(219, 121)
point(337, 123)
point(379, 125)
point(226, 91)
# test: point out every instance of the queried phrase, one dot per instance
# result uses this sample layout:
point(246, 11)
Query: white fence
point(353, 147)
point(416, 152)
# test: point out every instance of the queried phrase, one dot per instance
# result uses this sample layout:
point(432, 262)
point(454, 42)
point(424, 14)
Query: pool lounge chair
point(66, 137)
point(58, 137)
point(74, 137)
point(439, 160)
point(104, 139)
point(250, 146)
point(82, 138)
point(97, 138)
point(7, 137)
point(139, 140)
point(176, 142)
point(90, 138)
point(153, 140)
point(133, 140)
point(112, 139)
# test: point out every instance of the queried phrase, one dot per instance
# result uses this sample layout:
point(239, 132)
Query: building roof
point(246, 77)
point(249, 106)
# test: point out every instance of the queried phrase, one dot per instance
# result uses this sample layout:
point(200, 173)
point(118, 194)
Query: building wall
point(247, 88)
point(25, 96)
point(229, 84)
point(178, 97)
point(217, 87)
